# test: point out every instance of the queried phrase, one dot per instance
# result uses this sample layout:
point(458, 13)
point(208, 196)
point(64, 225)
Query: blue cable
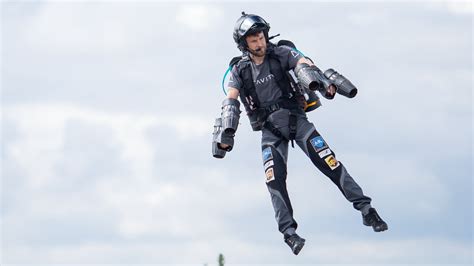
point(223, 79)
point(299, 52)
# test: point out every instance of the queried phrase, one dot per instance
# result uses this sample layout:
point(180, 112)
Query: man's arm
point(226, 126)
point(232, 93)
point(331, 90)
point(305, 60)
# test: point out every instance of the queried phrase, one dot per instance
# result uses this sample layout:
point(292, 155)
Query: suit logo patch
point(267, 154)
point(263, 80)
point(332, 162)
point(268, 164)
point(294, 53)
point(269, 175)
point(324, 153)
point(318, 143)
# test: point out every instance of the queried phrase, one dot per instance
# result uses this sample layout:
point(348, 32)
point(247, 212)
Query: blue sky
point(107, 113)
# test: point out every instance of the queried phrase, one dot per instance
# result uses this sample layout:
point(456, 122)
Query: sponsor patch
point(318, 143)
point(268, 164)
point(267, 154)
point(269, 175)
point(324, 153)
point(294, 53)
point(332, 162)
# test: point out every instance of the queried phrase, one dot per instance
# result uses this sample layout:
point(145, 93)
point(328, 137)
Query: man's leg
point(274, 163)
point(325, 160)
point(275, 154)
point(311, 142)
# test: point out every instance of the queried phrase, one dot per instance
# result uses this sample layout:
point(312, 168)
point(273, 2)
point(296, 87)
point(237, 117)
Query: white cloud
point(327, 248)
point(381, 251)
point(143, 205)
point(404, 174)
point(76, 27)
point(183, 209)
point(96, 27)
point(456, 7)
point(161, 199)
point(39, 147)
point(368, 17)
point(460, 7)
point(198, 17)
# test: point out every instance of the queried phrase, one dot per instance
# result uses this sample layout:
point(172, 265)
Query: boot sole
point(381, 228)
point(298, 248)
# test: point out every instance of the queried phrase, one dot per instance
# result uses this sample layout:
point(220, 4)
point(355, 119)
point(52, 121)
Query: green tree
point(221, 260)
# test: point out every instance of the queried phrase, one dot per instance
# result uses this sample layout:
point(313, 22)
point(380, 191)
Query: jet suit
point(276, 138)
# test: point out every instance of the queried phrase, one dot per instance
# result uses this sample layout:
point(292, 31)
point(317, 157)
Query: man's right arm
point(232, 93)
point(226, 125)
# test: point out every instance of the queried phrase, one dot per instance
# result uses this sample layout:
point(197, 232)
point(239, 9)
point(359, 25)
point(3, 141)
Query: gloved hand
point(344, 86)
point(222, 142)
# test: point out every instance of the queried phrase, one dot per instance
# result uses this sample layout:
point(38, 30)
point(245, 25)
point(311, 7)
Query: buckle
point(272, 108)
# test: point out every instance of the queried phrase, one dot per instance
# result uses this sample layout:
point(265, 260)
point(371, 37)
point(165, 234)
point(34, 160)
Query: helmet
point(246, 25)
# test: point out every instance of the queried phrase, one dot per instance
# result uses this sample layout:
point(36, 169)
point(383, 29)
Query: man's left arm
point(307, 64)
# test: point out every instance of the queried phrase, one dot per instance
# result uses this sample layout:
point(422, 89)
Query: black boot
point(373, 219)
point(295, 242)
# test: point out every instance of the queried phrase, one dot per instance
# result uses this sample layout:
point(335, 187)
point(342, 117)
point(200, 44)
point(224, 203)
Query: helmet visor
point(252, 23)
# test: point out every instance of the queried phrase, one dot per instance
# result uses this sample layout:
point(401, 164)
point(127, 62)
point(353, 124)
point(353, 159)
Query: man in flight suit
point(260, 79)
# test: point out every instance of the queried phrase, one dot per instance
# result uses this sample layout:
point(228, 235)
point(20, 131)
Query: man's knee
point(320, 153)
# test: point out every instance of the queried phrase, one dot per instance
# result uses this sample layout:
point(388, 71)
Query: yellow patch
point(332, 162)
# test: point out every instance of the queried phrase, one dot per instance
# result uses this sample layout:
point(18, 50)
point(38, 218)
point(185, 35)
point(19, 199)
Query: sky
point(107, 110)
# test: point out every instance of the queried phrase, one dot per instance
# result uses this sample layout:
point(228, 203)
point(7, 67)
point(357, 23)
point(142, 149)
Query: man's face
point(257, 45)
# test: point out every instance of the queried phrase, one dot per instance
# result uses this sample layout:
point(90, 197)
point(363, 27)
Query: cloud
point(198, 17)
point(380, 251)
point(76, 27)
point(42, 135)
point(106, 152)
point(460, 7)
point(87, 176)
point(89, 27)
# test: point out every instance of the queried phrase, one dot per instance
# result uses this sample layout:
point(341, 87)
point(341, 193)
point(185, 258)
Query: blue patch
point(318, 143)
point(267, 154)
